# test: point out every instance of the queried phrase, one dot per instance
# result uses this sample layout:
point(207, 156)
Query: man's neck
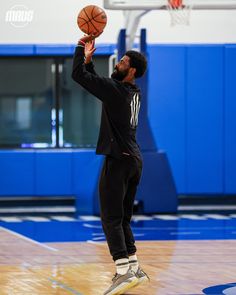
point(129, 81)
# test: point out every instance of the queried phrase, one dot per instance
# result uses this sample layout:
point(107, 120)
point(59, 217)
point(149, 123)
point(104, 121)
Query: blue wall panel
point(53, 172)
point(167, 106)
point(230, 120)
point(205, 119)
point(17, 173)
point(86, 169)
point(156, 191)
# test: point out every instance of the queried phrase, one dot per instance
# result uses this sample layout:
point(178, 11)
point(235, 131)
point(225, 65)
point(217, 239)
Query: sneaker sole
point(124, 287)
point(143, 280)
point(139, 282)
point(129, 286)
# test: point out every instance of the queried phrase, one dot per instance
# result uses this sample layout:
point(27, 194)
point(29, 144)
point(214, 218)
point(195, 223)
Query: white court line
point(193, 217)
point(217, 216)
point(141, 217)
point(207, 207)
point(185, 233)
point(166, 217)
point(28, 239)
point(91, 225)
point(89, 218)
point(94, 242)
point(37, 219)
point(67, 209)
point(170, 227)
point(98, 238)
point(63, 218)
point(11, 219)
point(64, 286)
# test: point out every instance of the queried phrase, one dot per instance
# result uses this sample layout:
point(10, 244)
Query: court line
point(65, 287)
point(28, 239)
point(185, 233)
point(92, 225)
point(98, 238)
point(168, 228)
point(96, 243)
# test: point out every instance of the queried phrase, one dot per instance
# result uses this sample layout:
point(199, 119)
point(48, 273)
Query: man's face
point(121, 69)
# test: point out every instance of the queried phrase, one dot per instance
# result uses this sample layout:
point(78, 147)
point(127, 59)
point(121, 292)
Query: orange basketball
point(92, 19)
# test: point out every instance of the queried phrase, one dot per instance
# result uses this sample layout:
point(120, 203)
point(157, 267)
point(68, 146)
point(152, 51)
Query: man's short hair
point(137, 61)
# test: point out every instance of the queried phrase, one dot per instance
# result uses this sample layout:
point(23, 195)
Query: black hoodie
point(120, 108)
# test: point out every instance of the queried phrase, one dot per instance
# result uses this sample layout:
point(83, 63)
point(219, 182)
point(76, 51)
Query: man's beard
point(119, 75)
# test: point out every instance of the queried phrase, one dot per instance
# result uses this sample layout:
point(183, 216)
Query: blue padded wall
point(167, 106)
point(192, 109)
point(230, 120)
point(53, 172)
point(156, 190)
point(204, 122)
point(86, 169)
point(17, 173)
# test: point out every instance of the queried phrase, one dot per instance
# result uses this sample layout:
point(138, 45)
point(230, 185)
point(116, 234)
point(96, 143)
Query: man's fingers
point(91, 37)
point(97, 34)
point(93, 43)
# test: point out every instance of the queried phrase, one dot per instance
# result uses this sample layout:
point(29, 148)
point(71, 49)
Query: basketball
point(92, 19)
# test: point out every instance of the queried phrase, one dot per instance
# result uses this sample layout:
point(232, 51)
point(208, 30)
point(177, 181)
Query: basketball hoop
point(179, 11)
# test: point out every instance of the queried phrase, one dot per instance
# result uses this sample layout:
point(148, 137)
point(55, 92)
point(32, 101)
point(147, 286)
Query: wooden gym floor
point(177, 267)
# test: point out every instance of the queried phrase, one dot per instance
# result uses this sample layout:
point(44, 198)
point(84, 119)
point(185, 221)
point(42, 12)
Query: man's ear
point(132, 71)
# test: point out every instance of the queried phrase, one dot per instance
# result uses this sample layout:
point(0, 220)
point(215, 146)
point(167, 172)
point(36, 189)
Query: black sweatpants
point(118, 184)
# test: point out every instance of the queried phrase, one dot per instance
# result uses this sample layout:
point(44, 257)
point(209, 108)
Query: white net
point(180, 11)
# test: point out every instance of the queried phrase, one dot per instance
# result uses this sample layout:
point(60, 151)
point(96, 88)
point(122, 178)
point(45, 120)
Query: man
point(123, 163)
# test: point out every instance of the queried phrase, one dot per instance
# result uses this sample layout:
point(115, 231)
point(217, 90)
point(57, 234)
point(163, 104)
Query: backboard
point(162, 4)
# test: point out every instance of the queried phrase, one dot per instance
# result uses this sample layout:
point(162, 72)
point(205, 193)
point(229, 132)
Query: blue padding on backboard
point(17, 173)
point(204, 122)
point(86, 170)
point(19, 50)
point(230, 119)
point(53, 172)
point(166, 109)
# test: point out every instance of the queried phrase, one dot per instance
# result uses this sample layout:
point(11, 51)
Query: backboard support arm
point(132, 20)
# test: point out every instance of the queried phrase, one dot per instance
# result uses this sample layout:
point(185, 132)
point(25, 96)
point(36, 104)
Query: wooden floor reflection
point(175, 267)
